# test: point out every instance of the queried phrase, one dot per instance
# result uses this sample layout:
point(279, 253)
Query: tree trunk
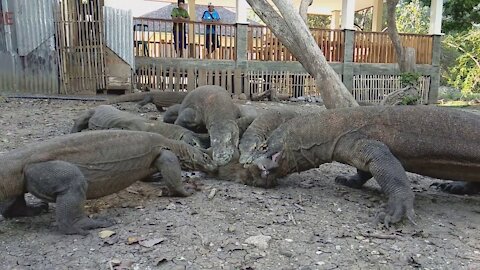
point(393, 34)
point(304, 8)
point(290, 29)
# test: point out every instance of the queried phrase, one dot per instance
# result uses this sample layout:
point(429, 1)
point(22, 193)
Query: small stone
point(320, 263)
point(231, 229)
point(338, 247)
point(289, 240)
point(171, 206)
point(375, 252)
point(260, 241)
point(212, 193)
point(115, 262)
point(359, 237)
point(318, 252)
point(242, 96)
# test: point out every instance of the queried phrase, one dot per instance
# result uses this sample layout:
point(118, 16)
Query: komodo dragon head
point(270, 158)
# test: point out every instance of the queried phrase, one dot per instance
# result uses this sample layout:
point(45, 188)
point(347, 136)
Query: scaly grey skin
point(211, 107)
point(161, 99)
point(68, 170)
point(108, 117)
point(259, 131)
point(381, 142)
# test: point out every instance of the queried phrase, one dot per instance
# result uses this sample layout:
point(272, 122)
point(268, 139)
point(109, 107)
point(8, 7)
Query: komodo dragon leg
point(171, 114)
point(169, 166)
point(354, 181)
point(63, 183)
point(375, 157)
point(147, 99)
point(81, 122)
point(459, 187)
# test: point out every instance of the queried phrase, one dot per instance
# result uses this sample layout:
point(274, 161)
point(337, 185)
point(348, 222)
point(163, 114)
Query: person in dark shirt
point(180, 16)
point(212, 40)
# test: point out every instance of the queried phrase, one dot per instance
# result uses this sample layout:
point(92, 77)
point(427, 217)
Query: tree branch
point(304, 8)
point(393, 33)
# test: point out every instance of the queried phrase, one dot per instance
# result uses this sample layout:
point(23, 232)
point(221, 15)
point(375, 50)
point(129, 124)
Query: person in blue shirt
point(212, 40)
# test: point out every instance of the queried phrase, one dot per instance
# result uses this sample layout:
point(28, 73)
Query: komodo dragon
point(161, 99)
point(88, 165)
point(260, 129)
point(211, 107)
point(109, 117)
point(381, 142)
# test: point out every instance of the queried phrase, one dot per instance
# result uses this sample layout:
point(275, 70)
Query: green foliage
point(465, 73)
point(318, 21)
point(409, 78)
point(409, 100)
point(460, 15)
point(412, 17)
point(364, 19)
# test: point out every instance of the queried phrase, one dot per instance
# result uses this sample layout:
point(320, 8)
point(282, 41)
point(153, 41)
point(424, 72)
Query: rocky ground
point(307, 222)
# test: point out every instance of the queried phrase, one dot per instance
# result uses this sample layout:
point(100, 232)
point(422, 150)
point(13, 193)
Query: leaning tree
point(289, 27)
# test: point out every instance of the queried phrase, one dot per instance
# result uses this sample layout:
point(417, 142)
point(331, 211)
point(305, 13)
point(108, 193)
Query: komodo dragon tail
point(128, 98)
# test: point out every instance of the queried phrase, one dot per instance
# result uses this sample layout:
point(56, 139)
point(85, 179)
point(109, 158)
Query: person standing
point(179, 17)
point(212, 40)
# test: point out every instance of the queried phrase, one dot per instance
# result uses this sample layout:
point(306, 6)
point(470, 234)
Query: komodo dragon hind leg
point(375, 157)
point(81, 122)
point(354, 181)
point(459, 187)
point(169, 166)
point(18, 207)
point(65, 184)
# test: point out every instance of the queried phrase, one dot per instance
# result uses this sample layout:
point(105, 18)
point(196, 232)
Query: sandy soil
point(311, 222)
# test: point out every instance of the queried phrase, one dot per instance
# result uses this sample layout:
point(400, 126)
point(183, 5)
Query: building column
point(436, 11)
point(242, 8)
point(335, 22)
point(377, 22)
point(191, 30)
point(348, 14)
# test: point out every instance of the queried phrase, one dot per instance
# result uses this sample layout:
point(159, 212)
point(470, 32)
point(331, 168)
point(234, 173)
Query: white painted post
point(436, 10)
point(348, 14)
point(242, 8)
point(335, 22)
point(377, 20)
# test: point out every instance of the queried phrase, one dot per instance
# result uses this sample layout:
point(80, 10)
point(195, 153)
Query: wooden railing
point(264, 46)
point(373, 47)
point(155, 38)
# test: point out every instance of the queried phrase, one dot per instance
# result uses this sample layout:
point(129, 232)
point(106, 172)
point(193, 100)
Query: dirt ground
point(307, 222)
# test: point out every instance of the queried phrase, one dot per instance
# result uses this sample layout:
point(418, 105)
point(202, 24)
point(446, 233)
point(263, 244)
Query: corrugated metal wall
point(29, 60)
point(119, 33)
point(34, 22)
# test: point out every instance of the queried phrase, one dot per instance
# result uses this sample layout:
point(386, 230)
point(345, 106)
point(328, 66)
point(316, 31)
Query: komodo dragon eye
point(263, 147)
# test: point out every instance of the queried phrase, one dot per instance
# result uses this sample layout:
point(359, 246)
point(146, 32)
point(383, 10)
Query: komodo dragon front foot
point(458, 187)
point(373, 158)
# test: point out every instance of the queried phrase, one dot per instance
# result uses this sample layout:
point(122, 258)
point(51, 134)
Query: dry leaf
point(152, 242)
point(132, 240)
point(106, 233)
